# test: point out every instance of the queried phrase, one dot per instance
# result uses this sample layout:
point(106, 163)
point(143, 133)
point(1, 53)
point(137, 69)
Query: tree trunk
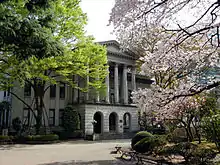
point(39, 94)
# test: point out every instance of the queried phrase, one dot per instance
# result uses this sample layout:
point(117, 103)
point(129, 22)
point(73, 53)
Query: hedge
point(33, 139)
point(50, 137)
point(4, 138)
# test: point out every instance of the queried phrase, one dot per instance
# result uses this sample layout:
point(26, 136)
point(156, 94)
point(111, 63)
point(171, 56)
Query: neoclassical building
point(111, 112)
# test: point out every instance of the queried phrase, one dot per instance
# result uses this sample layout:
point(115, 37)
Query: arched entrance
point(98, 118)
point(113, 122)
point(127, 122)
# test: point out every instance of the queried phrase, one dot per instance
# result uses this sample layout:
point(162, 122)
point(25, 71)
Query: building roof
point(118, 46)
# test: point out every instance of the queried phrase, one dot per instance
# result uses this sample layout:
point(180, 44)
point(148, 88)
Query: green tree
point(42, 42)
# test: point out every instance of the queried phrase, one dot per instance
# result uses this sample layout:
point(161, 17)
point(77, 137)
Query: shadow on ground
point(98, 162)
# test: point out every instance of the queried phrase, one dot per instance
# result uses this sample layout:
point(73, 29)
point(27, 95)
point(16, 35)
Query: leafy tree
point(42, 42)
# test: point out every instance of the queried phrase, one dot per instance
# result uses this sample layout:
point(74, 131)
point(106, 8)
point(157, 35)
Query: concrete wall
point(1, 95)
point(50, 103)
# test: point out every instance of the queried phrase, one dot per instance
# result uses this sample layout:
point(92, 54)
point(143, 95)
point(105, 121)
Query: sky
point(98, 15)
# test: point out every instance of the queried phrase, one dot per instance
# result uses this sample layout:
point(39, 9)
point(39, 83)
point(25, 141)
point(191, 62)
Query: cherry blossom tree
point(178, 42)
point(171, 34)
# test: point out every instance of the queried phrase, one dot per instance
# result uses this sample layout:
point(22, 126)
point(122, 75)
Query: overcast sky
point(98, 16)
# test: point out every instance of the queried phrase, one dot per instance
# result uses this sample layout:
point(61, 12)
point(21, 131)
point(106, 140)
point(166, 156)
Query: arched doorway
point(127, 122)
point(98, 118)
point(113, 122)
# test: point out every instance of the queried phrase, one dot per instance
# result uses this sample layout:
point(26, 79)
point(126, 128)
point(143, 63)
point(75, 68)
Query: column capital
point(116, 65)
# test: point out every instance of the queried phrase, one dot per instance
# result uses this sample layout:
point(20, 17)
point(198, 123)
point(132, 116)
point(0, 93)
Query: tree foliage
point(42, 42)
point(180, 53)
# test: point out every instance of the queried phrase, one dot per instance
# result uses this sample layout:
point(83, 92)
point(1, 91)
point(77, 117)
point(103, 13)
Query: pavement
point(65, 153)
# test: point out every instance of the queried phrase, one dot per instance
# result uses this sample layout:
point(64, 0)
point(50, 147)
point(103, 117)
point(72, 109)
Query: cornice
point(132, 55)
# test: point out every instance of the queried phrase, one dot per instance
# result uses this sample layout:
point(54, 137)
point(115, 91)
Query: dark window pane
point(62, 91)
point(53, 91)
point(4, 93)
point(27, 90)
point(61, 117)
point(8, 92)
point(51, 117)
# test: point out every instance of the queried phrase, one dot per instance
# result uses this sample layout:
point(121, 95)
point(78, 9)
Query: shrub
point(71, 121)
point(17, 124)
point(51, 137)
point(4, 138)
point(69, 135)
point(146, 142)
point(192, 153)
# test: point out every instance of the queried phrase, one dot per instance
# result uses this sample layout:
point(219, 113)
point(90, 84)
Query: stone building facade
point(110, 112)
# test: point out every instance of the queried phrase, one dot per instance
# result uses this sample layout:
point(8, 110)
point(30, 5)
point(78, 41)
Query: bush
point(192, 153)
point(4, 138)
point(51, 137)
point(144, 142)
point(71, 121)
point(69, 135)
point(17, 125)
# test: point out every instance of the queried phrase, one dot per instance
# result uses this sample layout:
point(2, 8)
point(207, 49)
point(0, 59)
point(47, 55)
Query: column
point(133, 81)
point(116, 94)
point(107, 87)
point(125, 84)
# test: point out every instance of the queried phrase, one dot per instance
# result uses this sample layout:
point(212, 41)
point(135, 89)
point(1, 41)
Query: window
point(53, 91)
point(26, 116)
point(61, 117)
point(8, 92)
point(130, 101)
point(62, 91)
point(51, 117)
point(4, 93)
point(27, 90)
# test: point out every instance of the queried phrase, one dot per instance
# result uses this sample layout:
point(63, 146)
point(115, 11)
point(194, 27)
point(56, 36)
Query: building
point(110, 113)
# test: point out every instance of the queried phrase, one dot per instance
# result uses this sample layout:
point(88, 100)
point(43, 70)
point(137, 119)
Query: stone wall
point(106, 110)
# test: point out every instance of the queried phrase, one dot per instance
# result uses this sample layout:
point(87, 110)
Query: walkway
point(67, 153)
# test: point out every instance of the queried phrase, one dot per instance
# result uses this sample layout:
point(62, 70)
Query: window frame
point(61, 117)
point(53, 92)
point(53, 117)
point(26, 87)
point(62, 86)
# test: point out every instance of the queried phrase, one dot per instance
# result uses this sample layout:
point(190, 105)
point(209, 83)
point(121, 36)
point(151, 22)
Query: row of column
point(116, 85)
point(124, 86)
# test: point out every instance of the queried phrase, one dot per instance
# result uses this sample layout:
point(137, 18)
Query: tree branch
point(23, 102)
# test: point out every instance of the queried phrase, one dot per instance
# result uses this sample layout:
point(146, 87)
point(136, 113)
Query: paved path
point(67, 153)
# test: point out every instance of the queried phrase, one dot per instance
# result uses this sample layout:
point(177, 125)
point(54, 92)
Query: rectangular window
point(27, 90)
point(53, 91)
point(62, 91)
point(61, 117)
point(4, 93)
point(8, 92)
point(26, 116)
point(51, 117)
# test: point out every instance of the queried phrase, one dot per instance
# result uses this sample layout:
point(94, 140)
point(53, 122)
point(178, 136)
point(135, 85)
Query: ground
point(66, 153)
